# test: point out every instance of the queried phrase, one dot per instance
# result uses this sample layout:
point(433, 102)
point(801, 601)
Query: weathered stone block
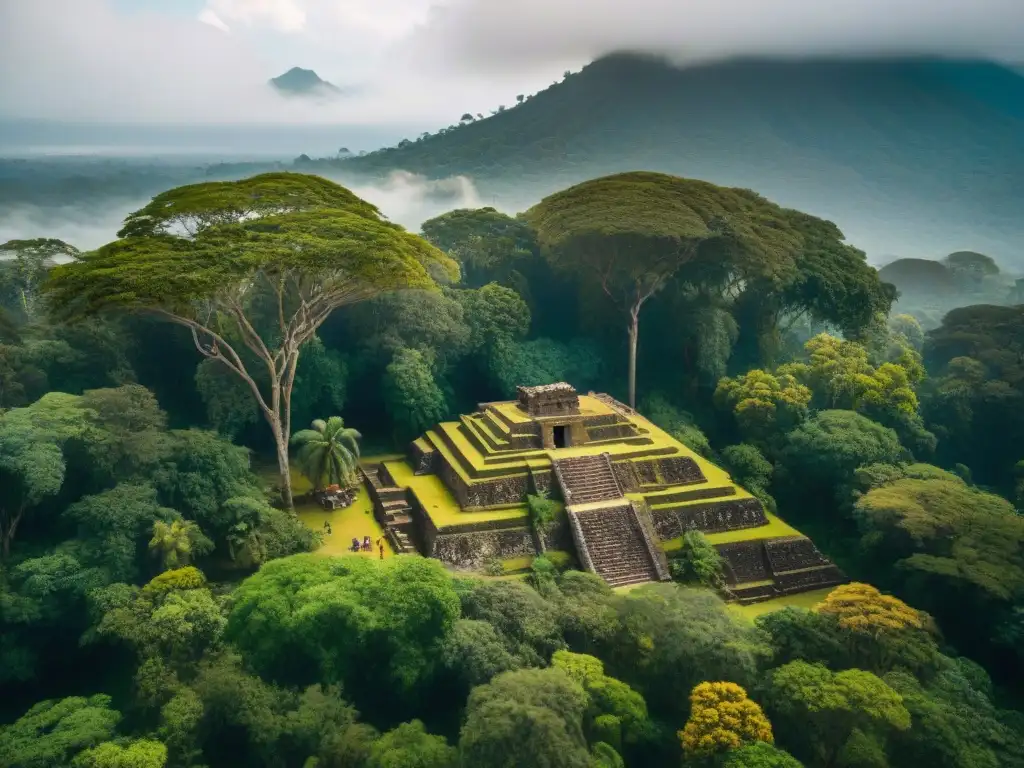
point(744, 561)
point(470, 550)
point(793, 554)
point(708, 518)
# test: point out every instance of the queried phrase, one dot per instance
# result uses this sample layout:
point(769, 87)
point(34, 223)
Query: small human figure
point(325, 525)
point(366, 544)
point(380, 543)
point(329, 531)
point(355, 544)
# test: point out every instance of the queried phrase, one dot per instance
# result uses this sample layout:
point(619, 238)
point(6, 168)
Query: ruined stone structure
point(629, 492)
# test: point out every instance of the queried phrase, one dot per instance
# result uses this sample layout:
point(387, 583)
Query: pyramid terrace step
point(483, 436)
point(614, 545)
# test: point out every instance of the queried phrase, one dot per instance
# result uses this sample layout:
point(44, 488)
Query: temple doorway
point(560, 436)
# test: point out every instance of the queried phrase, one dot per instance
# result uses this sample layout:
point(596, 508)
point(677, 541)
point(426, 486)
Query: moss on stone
point(441, 505)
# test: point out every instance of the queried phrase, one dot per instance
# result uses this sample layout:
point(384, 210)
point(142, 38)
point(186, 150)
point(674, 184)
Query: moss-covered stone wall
point(470, 550)
point(713, 517)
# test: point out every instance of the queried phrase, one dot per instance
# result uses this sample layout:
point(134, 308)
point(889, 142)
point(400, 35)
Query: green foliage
point(52, 732)
point(474, 652)
point(544, 361)
point(229, 403)
point(486, 243)
point(113, 527)
point(204, 257)
point(605, 756)
point(751, 469)
point(328, 453)
point(176, 543)
point(174, 617)
point(410, 746)
point(976, 405)
point(833, 707)
point(763, 403)
point(352, 620)
point(141, 753)
point(495, 315)
point(697, 561)
point(526, 717)
point(631, 233)
point(260, 532)
point(945, 532)
point(907, 328)
point(414, 400)
point(24, 265)
point(199, 473)
point(32, 460)
point(759, 755)
point(799, 634)
point(542, 511)
point(676, 422)
point(126, 435)
point(616, 713)
point(841, 376)
point(670, 638)
point(827, 448)
point(527, 623)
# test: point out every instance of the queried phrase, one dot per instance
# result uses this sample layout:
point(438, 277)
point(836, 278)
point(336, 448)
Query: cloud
point(282, 15)
point(89, 60)
point(208, 16)
point(405, 198)
point(491, 36)
point(422, 61)
point(409, 199)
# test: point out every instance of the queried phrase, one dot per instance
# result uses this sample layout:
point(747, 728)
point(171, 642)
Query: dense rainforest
point(160, 604)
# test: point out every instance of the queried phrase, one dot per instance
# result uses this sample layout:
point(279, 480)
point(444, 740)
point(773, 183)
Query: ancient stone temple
point(628, 492)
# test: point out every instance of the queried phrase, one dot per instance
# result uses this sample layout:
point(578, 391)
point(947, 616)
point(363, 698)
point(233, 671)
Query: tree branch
point(213, 352)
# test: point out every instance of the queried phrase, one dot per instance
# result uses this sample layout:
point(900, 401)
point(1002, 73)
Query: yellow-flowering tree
point(722, 718)
point(862, 609)
point(881, 631)
point(763, 402)
point(840, 375)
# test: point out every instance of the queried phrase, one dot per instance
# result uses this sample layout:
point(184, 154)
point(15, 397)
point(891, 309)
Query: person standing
point(380, 544)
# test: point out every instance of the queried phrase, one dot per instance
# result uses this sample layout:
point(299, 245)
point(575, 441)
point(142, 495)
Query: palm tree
point(172, 543)
point(328, 452)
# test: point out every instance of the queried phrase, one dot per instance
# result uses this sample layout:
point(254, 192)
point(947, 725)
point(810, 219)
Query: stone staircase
point(615, 545)
point(391, 510)
point(606, 527)
point(587, 479)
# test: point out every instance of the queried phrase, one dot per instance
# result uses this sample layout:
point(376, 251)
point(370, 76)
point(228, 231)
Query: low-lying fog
point(77, 183)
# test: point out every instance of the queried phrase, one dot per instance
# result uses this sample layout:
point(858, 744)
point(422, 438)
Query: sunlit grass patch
point(774, 529)
point(441, 505)
point(354, 521)
point(803, 600)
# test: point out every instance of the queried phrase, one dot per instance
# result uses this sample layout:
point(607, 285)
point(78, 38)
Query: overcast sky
point(421, 60)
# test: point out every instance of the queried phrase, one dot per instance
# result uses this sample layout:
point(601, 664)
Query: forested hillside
point(852, 141)
point(173, 596)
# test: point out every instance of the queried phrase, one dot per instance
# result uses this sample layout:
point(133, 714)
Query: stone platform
point(628, 491)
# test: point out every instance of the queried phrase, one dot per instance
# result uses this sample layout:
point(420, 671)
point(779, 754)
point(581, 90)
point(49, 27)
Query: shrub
point(542, 511)
point(697, 561)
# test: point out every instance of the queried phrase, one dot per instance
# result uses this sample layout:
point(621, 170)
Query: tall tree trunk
point(634, 333)
point(283, 463)
point(283, 467)
point(7, 533)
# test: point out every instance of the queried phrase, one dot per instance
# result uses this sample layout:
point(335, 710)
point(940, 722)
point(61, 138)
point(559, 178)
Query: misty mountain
point(912, 156)
point(303, 82)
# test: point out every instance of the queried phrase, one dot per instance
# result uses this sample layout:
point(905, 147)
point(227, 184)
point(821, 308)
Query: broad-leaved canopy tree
point(25, 264)
point(209, 257)
point(634, 232)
